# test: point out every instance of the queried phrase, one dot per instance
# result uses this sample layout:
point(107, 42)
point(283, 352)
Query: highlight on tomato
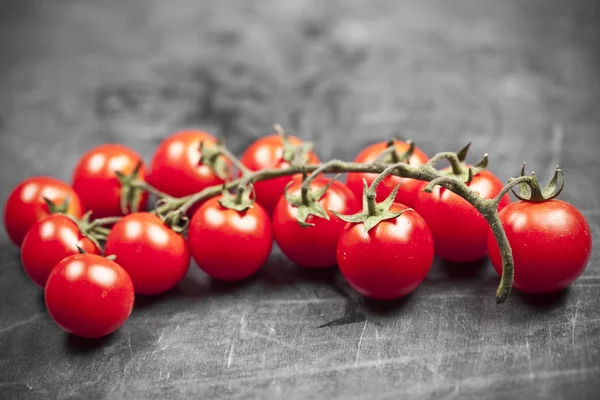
point(88, 295)
point(402, 151)
point(49, 241)
point(230, 237)
point(26, 205)
point(275, 152)
point(306, 229)
point(155, 257)
point(176, 168)
point(98, 179)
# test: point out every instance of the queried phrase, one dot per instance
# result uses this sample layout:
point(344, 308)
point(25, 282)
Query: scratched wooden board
point(519, 79)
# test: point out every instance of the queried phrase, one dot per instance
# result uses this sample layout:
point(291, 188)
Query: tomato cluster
point(384, 251)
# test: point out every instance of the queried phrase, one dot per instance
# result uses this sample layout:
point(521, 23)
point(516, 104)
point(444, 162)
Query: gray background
point(520, 79)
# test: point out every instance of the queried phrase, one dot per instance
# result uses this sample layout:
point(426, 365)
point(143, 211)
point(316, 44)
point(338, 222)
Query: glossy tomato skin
point(88, 295)
point(314, 246)
point(230, 245)
point(391, 261)
point(49, 241)
point(96, 183)
point(267, 153)
point(408, 191)
point(25, 205)
point(459, 230)
point(176, 169)
point(551, 244)
point(155, 257)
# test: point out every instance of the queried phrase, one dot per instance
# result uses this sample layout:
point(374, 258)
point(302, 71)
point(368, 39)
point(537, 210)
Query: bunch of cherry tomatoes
point(64, 231)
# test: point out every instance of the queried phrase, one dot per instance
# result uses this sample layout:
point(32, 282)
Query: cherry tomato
point(227, 244)
point(459, 230)
point(551, 244)
point(88, 295)
point(313, 246)
point(391, 260)
point(25, 205)
point(49, 241)
point(267, 153)
point(176, 169)
point(155, 257)
point(407, 193)
point(96, 183)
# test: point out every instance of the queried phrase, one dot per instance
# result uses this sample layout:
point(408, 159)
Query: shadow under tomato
point(543, 302)
point(76, 344)
point(386, 307)
point(464, 271)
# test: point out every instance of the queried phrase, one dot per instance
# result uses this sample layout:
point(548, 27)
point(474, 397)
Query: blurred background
point(518, 78)
point(521, 79)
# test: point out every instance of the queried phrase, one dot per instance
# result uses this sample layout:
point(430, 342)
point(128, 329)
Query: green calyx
point(307, 202)
point(373, 212)
point(54, 208)
point(530, 190)
point(391, 156)
point(463, 172)
point(241, 201)
point(211, 157)
point(292, 153)
point(131, 195)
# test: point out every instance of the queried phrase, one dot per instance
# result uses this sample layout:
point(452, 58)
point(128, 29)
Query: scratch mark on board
point(529, 358)
point(230, 356)
point(21, 323)
point(574, 322)
point(360, 343)
point(556, 145)
point(129, 344)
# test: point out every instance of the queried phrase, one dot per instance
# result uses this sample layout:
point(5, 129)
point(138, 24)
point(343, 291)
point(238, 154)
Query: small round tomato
point(88, 295)
point(391, 260)
point(227, 244)
point(313, 246)
point(49, 241)
point(96, 182)
point(25, 205)
point(155, 257)
point(551, 244)
point(459, 230)
point(267, 153)
point(407, 193)
point(176, 169)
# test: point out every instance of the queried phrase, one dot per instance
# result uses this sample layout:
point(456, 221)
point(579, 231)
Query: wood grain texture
point(518, 78)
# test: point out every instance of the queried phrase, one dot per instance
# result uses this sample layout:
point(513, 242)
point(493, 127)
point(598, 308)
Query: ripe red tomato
point(391, 260)
point(459, 230)
point(407, 193)
point(227, 244)
point(25, 205)
point(49, 241)
point(96, 183)
point(176, 169)
point(313, 246)
point(155, 257)
point(551, 244)
point(267, 153)
point(88, 295)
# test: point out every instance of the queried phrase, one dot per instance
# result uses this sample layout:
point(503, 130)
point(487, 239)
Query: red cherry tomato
point(391, 260)
point(459, 230)
point(96, 183)
point(176, 169)
point(551, 244)
point(313, 246)
point(407, 193)
point(25, 205)
point(227, 244)
point(49, 241)
point(155, 257)
point(267, 153)
point(88, 295)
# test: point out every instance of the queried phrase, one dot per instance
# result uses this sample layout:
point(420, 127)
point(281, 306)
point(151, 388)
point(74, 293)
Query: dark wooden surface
point(520, 79)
